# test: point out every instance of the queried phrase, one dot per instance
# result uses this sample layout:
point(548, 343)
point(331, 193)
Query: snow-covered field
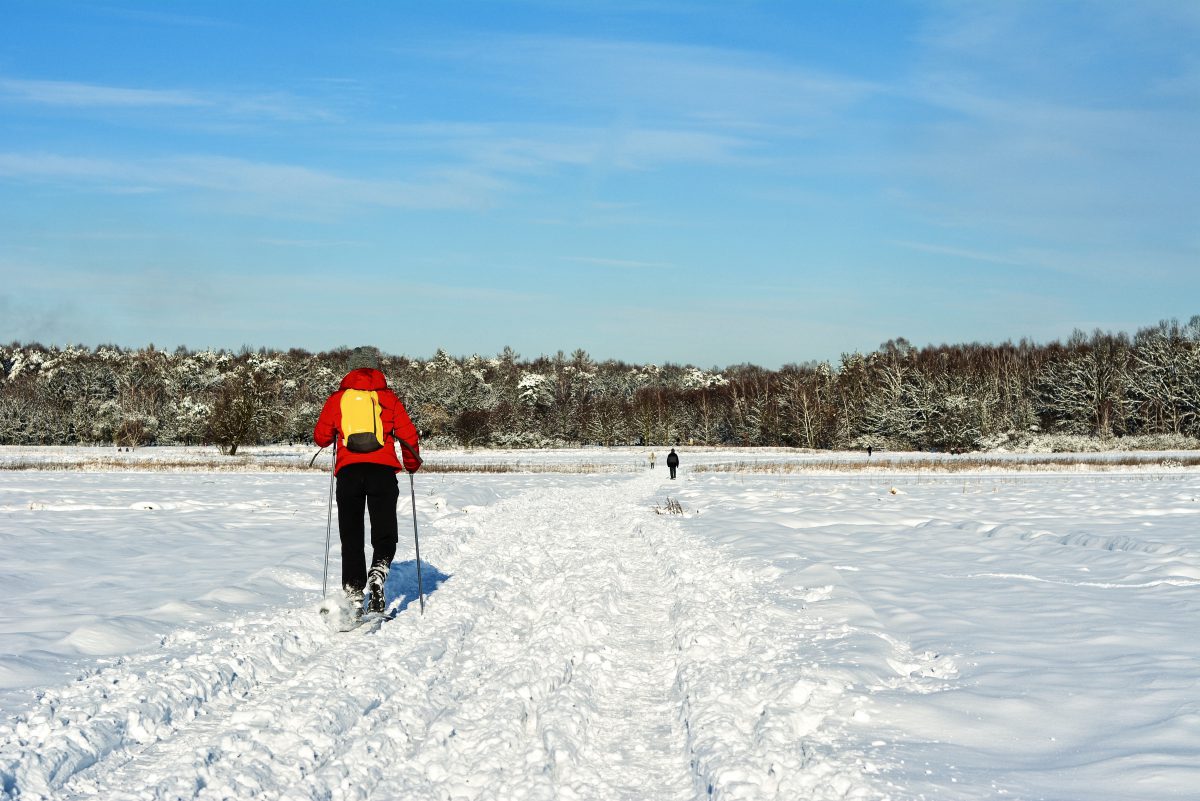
point(806, 636)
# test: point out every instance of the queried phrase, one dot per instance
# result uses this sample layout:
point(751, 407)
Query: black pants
point(673, 469)
point(372, 486)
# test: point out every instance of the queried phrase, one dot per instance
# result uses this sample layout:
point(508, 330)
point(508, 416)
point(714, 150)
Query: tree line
point(945, 397)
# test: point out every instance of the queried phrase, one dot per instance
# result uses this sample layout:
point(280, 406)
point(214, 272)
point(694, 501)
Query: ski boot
point(376, 578)
point(354, 605)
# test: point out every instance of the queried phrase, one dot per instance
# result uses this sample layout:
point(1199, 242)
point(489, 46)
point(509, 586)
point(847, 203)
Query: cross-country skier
point(368, 421)
point(673, 462)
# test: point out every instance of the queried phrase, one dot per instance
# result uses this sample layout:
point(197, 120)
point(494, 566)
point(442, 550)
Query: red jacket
point(396, 424)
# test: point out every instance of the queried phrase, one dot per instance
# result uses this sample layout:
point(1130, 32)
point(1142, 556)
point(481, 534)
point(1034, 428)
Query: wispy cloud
point(471, 171)
point(1148, 266)
point(1059, 128)
point(217, 107)
point(959, 253)
point(525, 147)
point(310, 243)
point(256, 187)
point(52, 165)
point(715, 87)
point(623, 264)
point(489, 295)
point(83, 95)
point(1067, 173)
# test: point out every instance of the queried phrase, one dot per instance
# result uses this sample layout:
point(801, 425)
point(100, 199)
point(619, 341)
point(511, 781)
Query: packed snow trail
point(583, 647)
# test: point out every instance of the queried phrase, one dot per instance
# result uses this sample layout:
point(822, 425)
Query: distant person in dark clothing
point(673, 462)
point(870, 450)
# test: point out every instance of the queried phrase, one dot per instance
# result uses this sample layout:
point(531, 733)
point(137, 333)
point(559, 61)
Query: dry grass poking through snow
point(587, 462)
point(672, 507)
point(958, 464)
point(225, 464)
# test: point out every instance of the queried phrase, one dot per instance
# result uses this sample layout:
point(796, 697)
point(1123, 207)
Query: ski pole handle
point(411, 452)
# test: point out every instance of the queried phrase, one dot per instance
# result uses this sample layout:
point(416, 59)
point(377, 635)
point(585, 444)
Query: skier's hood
point(366, 378)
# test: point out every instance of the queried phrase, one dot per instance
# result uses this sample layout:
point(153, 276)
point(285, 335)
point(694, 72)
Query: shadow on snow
point(401, 587)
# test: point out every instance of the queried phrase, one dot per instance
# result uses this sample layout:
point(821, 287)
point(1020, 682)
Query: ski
point(344, 619)
point(341, 620)
point(371, 619)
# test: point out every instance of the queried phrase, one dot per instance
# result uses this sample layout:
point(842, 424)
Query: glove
point(411, 456)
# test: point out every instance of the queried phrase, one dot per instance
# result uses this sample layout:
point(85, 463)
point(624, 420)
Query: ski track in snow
point(583, 648)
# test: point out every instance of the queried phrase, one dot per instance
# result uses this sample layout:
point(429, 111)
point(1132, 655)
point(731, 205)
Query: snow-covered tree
point(1084, 389)
point(246, 410)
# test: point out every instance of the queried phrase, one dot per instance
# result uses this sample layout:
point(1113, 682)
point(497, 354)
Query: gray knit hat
point(365, 356)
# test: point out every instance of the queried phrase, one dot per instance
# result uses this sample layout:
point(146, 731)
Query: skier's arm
point(406, 435)
point(326, 428)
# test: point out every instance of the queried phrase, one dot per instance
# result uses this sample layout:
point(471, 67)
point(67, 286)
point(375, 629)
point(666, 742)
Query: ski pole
point(313, 460)
point(328, 521)
point(416, 539)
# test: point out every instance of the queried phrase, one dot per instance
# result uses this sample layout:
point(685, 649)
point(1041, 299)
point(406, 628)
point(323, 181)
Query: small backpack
point(362, 421)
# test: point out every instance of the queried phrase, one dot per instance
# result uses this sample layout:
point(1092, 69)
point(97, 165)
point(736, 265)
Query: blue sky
point(710, 183)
